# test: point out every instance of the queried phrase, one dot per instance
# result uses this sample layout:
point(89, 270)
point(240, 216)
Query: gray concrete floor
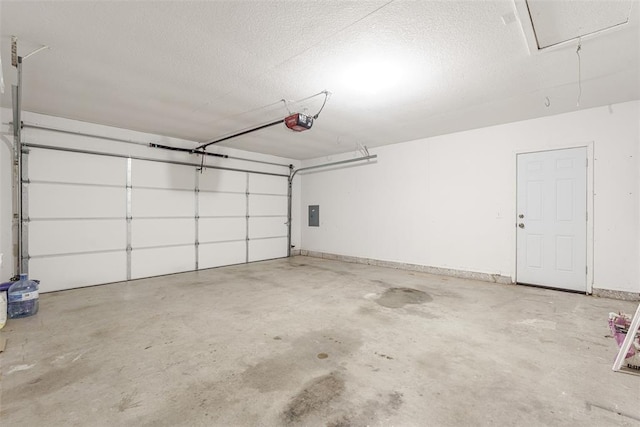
point(307, 341)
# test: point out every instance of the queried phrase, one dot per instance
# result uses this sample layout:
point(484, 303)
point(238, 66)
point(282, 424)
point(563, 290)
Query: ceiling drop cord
point(579, 72)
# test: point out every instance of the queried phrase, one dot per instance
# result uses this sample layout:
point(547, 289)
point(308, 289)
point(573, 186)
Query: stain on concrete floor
point(303, 353)
point(128, 401)
point(53, 380)
point(399, 297)
point(368, 413)
point(313, 398)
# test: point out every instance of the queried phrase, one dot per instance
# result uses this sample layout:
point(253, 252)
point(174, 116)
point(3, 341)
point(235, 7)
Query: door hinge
point(586, 269)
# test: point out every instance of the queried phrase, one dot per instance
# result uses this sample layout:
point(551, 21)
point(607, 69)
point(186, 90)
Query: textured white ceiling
point(398, 70)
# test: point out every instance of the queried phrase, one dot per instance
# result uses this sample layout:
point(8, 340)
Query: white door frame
point(590, 146)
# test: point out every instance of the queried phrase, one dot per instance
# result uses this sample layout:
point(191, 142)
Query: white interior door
point(552, 219)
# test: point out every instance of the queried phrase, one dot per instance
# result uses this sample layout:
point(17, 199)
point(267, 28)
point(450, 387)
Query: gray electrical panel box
point(314, 215)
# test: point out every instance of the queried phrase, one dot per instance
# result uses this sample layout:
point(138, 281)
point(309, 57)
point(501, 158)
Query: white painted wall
point(7, 240)
point(449, 201)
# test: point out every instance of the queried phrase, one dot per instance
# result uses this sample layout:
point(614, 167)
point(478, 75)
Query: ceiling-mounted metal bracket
point(187, 150)
point(266, 125)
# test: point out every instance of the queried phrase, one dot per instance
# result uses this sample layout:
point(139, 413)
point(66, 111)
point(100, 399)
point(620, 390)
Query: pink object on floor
point(619, 324)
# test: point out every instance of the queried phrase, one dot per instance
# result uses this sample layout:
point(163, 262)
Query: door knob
point(521, 225)
point(521, 216)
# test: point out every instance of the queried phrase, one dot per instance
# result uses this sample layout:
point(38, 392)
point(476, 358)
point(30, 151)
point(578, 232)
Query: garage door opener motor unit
point(298, 122)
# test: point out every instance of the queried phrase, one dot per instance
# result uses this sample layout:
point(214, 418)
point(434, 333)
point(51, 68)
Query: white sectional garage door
point(99, 219)
point(267, 217)
point(162, 218)
point(222, 207)
point(77, 223)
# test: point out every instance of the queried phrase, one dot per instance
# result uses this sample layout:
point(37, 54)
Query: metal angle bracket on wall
point(20, 192)
point(20, 177)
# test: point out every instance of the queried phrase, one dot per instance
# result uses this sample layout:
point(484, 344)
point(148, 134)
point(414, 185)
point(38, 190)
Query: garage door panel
point(60, 166)
point(159, 232)
point(220, 254)
point(267, 249)
point(222, 229)
point(268, 184)
point(63, 237)
point(161, 203)
point(65, 272)
point(78, 231)
point(221, 180)
point(222, 204)
point(267, 227)
point(267, 205)
point(162, 175)
point(72, 201)
point(159, 261)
